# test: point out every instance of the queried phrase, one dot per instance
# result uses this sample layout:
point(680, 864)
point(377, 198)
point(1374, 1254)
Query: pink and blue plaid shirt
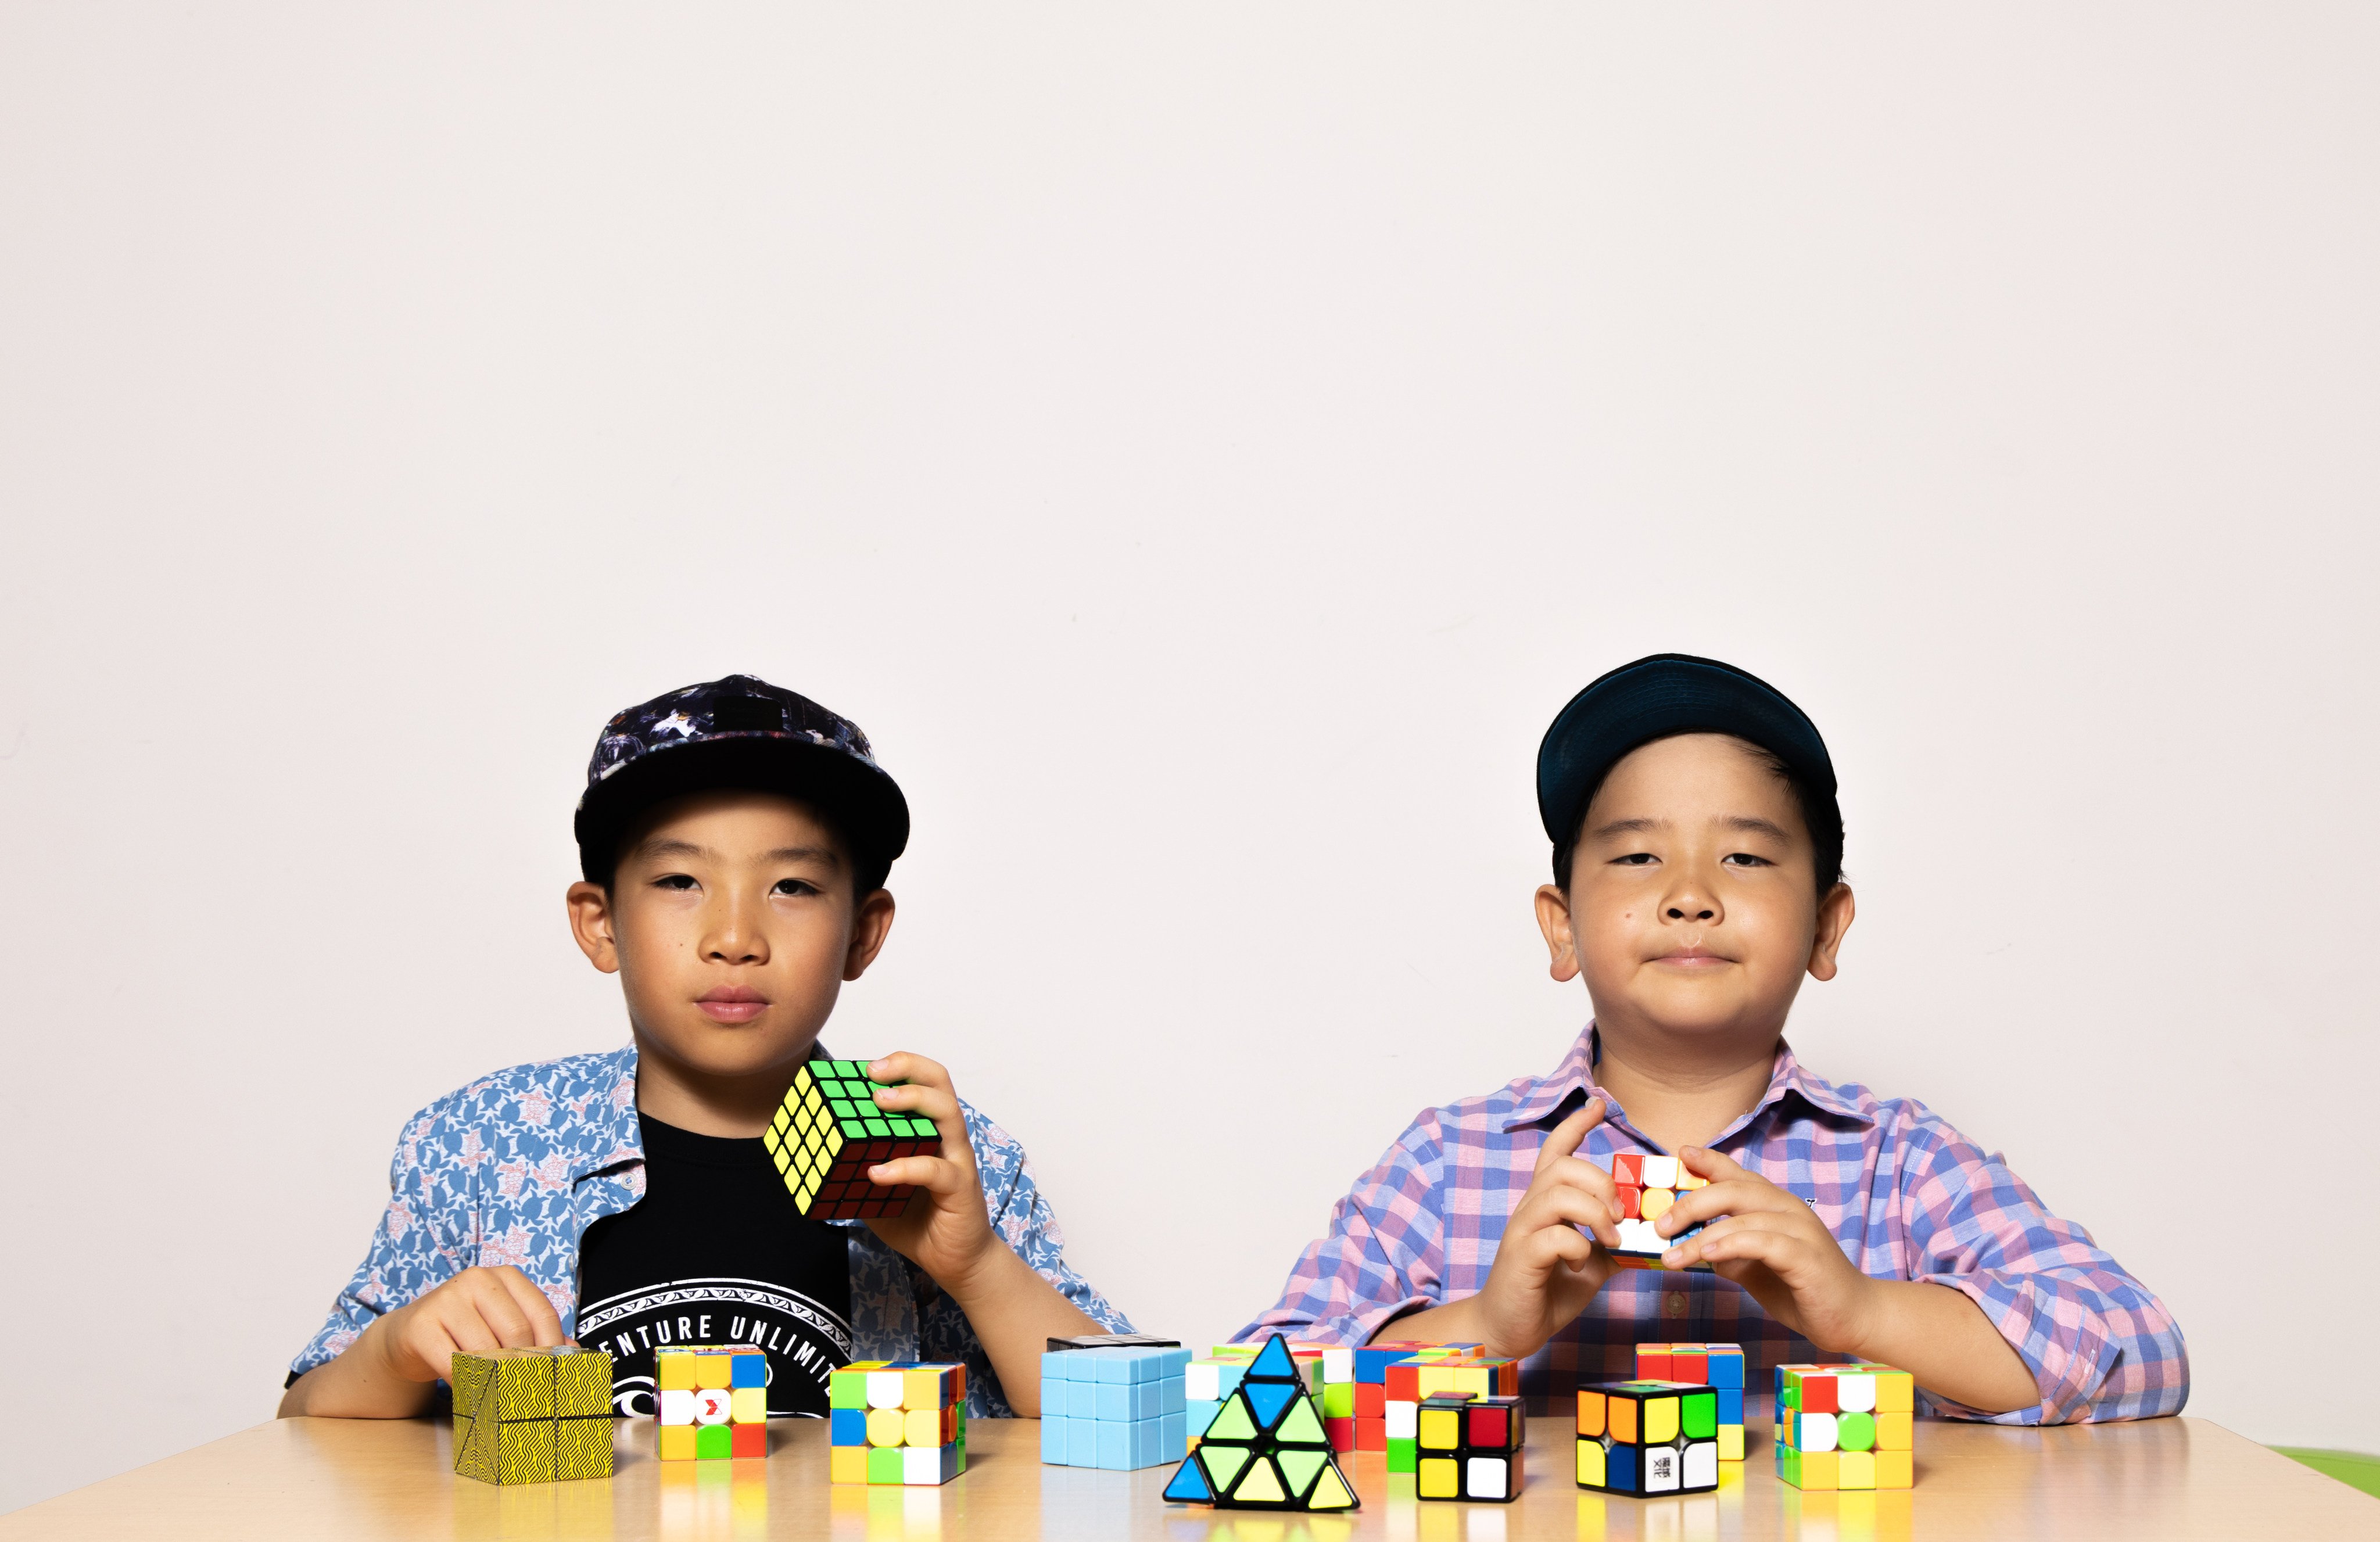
point(1908, 1197)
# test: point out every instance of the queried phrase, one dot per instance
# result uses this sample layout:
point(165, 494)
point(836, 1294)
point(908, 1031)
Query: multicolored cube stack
point(1265, 1449)
point(1648, 1438)
point(1846, 1426)
point(1114, 1406)
point(896, 1421)
point(1439, 1369)
point(829, 1132)
point(1718, 1367)
point(533, 1415)
point(1469, 1447)
point(713, 1401)
point(1649, 1185)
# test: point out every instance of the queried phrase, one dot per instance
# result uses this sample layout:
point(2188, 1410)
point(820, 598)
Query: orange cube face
point(1620, 1415)
point(1590, 1414)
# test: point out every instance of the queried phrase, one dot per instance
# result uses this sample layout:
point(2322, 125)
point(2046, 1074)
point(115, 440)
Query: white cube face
point(1855, 1394)
point(1638, 1236)
point(1814, 1432)
point(712, 1404)
point(884, 1388)
point(1661, 1173)
point(921, 1464)
point(1203, 1383)
point(1702, 1464)
point(1484, 1478)
point(1661, 1470)
point(1403, 1419)
point(1338, 1365)
point(677, 1408)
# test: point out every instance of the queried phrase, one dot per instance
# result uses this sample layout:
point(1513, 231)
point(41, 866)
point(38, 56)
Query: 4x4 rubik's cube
point(896, 1421)
point(1718, 1367)
point(1647, 1186)
point(1846, 1426)
point(829, 1132)
point(533, 1415)
point(1648, 1438)
point(1118, 1406)
point(714, 1402)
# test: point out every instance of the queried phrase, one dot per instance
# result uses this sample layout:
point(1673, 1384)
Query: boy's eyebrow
point(827, 854)
point(1753, 825)
point(1626, 827)
point(664, 847)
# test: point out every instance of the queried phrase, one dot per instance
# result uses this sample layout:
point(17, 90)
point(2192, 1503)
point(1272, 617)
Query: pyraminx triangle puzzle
point(829, 1132)
point(1265, 1449)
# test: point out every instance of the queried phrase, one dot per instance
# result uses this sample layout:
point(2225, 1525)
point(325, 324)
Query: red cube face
point(1490, 1427)
point(1632, 1202)
point(1341, 1433)
point(1651, 1367)
point(1371, 1400)
point(1628, 1169)
point(1401, 1384)
point(748, 1440)
point(1371, 1434)
point(1818, 1394)
point(1695, 1367)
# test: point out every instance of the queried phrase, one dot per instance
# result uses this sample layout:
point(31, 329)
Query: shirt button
point(1673, 1304)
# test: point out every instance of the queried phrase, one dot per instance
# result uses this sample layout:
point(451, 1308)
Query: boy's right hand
point(478, 1310)
point(1547, 1269)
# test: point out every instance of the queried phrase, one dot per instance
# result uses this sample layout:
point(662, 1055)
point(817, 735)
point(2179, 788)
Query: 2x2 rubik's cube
point(896, 1422)
point(829, 1132)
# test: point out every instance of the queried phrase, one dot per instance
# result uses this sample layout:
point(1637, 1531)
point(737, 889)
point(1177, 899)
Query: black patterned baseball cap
point(738, 731)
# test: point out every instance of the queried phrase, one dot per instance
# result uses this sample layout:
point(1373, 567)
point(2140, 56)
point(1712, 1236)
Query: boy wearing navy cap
point(1697, 878)
point(733, 843)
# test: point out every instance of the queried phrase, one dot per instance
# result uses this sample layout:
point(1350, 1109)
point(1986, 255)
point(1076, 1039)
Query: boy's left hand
point(946, 1231)
point(1767, 1240)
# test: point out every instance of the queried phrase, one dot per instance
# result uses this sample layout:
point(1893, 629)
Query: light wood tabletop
point(2165, 1478)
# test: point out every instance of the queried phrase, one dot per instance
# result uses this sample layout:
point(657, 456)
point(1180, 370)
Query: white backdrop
point(1203, 446)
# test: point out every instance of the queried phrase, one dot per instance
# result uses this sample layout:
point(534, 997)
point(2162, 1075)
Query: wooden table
point(2165, 1478)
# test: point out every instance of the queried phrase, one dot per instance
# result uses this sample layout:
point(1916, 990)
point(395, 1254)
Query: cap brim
point(862, 801)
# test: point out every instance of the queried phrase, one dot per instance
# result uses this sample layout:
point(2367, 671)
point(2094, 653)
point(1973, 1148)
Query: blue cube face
point(1113, 1403)
point(1171, 1397)
point(1199, 1415)
point(1726, 1370)
point(1053, 1439)
point(1057, 1365)
point(1173, 1438)
point(1114, 1449)
point(1149, 1397)
point(847, 1426)
point(1730, 1405)
point(747, 1370)
point(1620, 1469)
point(1082, 1400)
point(1147, 1442)
point(1082, 1442)
point(1112, 1364)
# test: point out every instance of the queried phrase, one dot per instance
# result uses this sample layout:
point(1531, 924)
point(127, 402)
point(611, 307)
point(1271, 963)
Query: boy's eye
point(680, 881)
point(1634, 859)
point(1745, 859)
point(795, 886)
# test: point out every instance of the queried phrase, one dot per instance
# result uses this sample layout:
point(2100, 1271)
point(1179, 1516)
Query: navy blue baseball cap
point(738, 731)
point(1653, 698)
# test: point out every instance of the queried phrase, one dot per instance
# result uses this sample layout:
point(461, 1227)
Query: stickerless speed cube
point(829, 1132)
point(1265, 1449)
point(1846, 1426)
point(1718, 1367)
point(1469, 1447)
point(533, 1415)
point(714, 1402)
point(1647, 1186)
point(896, 1421)
point(1648, 1438)
point(1118, 1406)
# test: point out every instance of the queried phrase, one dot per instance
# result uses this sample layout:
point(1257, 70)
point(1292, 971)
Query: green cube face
point(1339, 1399)
point(714, 1442)
point(1698, 1415)
point(1403, 1455)
point(846, 1390)
point(885, 1463)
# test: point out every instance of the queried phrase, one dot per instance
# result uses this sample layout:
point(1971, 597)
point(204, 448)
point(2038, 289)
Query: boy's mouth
point(1692, 958)
point(732, 1003)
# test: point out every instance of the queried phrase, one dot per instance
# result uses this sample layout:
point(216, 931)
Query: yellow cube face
point(749, 1405)
point(1896, 1392)
point(1896, 1431)
point(1472, 1380)
point(1437, 1478)
point(886, 1425)
point(1821, 1470)
point(1855, 1469)
point(1439, 1429)
point(847, 1464)
point(922, 1390)
point(1895, 1469)
point(1661, 1421)
point(677, 1443)
point(1730, 1442)
point(1434, 1379)
point(1590, 1463)
point(673, 1370)
point(922, 1426)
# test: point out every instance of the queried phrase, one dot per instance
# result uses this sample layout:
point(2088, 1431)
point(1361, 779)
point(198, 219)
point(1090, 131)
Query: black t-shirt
point(715, 1253)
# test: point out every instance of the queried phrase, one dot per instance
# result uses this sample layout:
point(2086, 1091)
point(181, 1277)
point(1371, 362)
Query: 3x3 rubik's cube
point(1647, 1186)
point(1846, 1426)
point(1409, 1381)
point(713, 1401)
point(829, 1132)
point(1118, 1406)
point(533, 1415)
point(896, 1421)
point(1718, 1367)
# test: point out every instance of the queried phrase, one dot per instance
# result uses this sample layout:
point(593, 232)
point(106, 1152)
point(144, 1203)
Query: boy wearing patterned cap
point(733, 843)
point(1697, 878)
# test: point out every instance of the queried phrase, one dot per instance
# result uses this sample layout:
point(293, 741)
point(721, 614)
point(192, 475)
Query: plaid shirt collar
point(1570, 1083)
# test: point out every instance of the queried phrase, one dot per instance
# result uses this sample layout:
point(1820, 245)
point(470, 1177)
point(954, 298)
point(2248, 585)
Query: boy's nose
point(1679, 913)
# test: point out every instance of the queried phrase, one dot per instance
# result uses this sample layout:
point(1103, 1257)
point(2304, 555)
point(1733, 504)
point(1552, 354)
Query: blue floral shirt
point(514, 1168)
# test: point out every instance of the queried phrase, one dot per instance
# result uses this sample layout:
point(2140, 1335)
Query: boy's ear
point(1834, 920)
point(1553, 919)
point(590, 924)
point(869, 928)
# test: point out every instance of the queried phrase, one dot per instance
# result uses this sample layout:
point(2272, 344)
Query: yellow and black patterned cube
point(533, 1415)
